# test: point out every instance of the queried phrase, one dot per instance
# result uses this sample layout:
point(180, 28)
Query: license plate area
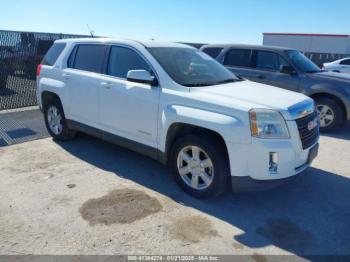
point(313, 153)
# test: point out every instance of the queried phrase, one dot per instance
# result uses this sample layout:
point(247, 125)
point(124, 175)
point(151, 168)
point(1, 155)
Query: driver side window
point(123, 59)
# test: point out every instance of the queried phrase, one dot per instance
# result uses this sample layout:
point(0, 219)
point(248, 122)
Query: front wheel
point(200, 166)
point(56, 122)
point(330, 114)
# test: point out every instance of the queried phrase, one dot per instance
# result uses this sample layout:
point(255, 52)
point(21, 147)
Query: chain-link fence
point(321, 58)
point(20, 53)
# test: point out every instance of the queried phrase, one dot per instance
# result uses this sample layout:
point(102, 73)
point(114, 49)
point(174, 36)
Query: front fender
point(231, 128)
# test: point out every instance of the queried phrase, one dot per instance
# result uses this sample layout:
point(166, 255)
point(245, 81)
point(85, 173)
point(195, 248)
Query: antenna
point(92, 32)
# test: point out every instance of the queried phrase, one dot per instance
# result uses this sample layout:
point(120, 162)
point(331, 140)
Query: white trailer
point(310, 43)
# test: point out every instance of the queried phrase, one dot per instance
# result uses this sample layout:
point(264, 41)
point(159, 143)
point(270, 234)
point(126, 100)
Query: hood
point(331, 76)
point(248, 95)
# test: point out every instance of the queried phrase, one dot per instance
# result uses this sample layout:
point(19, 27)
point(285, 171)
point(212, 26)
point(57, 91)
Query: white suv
point(174, 103)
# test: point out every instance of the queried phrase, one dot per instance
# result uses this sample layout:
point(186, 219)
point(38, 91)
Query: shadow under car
point(307, 216)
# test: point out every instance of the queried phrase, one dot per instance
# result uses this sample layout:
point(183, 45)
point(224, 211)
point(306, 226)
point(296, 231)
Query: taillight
point(38, 69)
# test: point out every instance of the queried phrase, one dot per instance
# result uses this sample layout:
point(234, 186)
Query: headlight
point(265, 123)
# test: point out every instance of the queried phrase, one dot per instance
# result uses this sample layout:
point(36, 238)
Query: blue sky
point(206, 21)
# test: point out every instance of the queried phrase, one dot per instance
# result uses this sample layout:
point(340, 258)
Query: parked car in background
point(339, 66)
point(176, 104)
point(290, 69)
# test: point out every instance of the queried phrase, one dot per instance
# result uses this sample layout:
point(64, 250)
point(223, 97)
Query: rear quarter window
point(212, 51)
point(52, 55)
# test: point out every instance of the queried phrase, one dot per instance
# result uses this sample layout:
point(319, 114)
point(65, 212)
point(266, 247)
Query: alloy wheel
point(195, 167)
point(54, 120)
point(326, 115)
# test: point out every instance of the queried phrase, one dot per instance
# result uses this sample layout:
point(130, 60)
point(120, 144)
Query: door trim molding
point(151, 152)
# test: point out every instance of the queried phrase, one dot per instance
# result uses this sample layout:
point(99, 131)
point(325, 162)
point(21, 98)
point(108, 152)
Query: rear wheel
point(56, 122)
point(330, 114)
point(199, 166)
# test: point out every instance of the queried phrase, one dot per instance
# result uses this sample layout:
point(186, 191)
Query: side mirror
point(141, 76)
point(287, 70)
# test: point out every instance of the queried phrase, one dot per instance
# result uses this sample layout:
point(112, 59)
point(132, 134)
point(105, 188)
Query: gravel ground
point(89, 197)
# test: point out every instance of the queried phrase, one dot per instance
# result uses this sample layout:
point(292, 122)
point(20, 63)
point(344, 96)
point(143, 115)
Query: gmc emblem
point(312, 124)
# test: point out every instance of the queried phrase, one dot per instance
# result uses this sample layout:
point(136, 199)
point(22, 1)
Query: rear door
point(83, 77)
point(266, 70)
point(238, 61)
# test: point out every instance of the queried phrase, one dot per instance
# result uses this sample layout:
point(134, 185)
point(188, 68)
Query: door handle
point(66, 75)
point(259, 76)
point(107, 85)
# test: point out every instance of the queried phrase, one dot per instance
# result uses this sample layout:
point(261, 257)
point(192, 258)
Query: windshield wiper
point(314, 71)
point(230, 80)
point(199, 84)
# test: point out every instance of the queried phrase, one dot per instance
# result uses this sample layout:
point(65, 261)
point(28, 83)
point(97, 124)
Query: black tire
point(66, 133)
point(214, 149)
point(338, 113)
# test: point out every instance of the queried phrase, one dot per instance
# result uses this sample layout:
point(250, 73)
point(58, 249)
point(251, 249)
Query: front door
point(266, 70)
point(128, 109)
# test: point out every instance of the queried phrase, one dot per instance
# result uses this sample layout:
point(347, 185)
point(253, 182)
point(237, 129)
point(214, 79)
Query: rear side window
point(212, 51)
point(123, 59)
point(89, 58)
point(53, 53)
point(238, 57)
point(269, 61)
point(345, 62)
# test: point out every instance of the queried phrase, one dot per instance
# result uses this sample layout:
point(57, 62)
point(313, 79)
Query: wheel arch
point(335, 98)
point(181, 119)
point(180, 129)
point(47, 96)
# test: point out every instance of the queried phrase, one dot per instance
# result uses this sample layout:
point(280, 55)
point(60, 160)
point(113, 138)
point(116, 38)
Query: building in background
point(320, 48)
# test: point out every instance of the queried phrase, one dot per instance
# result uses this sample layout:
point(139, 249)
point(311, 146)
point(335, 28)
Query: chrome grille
point(308, 137)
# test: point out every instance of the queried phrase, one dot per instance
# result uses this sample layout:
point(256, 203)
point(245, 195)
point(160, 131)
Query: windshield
point(302, 62)
point(191, 67)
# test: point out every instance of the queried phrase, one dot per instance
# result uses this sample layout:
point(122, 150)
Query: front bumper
point(248, 184)
point(249, 163)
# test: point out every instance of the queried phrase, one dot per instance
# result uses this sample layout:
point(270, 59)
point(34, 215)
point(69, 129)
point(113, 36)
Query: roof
point(300, 34)
point(149, 43)
point(245, 46)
